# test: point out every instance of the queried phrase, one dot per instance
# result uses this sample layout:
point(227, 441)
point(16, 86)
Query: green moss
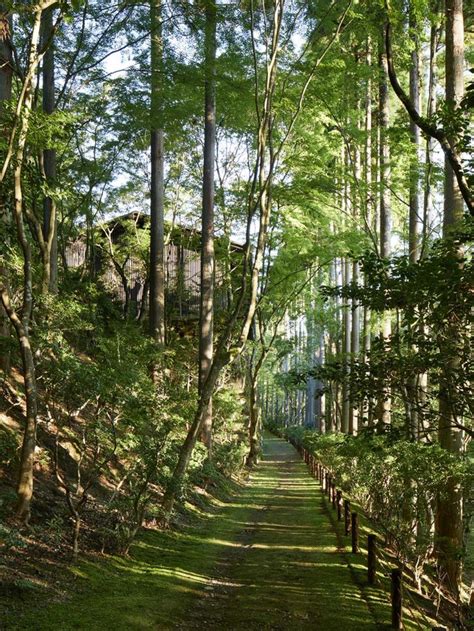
point(268, 559)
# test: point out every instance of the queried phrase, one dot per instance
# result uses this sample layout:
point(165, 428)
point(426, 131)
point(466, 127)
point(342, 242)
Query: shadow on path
point(282, 570)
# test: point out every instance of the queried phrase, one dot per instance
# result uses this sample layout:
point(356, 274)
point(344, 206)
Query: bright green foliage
point(387, 476)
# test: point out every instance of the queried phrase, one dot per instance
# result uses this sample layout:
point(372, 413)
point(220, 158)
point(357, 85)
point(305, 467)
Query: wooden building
point(118, 256)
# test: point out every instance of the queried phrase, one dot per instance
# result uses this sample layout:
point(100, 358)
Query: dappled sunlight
point(268, 559)
point(265, 525)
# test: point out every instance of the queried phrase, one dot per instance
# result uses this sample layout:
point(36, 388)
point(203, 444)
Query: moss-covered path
point(267, 559)
point(283, 570)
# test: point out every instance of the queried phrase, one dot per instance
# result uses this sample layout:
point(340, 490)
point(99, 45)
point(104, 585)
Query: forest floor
point(272, 556)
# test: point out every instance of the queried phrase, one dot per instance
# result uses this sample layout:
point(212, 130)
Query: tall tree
point(414, 214)
point(384, 403)
point(237, 328)
point(449, 520)
point(50, 251)
point(20, 320)
point(6, 72)
point(157, 241)
point(206, 319)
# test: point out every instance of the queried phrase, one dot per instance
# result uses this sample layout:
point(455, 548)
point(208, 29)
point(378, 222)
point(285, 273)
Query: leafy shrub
point(395, 481)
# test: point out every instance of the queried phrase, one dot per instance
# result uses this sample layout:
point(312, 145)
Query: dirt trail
point(283, 570)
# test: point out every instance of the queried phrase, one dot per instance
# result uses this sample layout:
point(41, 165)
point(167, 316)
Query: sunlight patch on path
point(283, 570)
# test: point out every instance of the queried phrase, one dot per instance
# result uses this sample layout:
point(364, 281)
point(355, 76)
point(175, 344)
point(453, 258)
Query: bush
point(395, 481)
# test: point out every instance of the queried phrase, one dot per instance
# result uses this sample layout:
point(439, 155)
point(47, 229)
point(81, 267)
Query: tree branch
point(428, 128)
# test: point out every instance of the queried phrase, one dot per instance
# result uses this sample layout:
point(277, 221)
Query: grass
point(267, 559)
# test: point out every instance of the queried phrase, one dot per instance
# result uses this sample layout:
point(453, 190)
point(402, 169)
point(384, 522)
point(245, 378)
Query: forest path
point(283, 569)
point(268, 558)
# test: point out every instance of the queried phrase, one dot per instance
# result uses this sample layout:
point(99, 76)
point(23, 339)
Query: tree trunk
point(25, 477)
point(6, 71)
point(186, 451)
point(454, 68)
point(346, 318)
point(354, 412)
point(449, 517)
point(157, 241)
point(206, 319)
point(50, 254)
point(254, 422)
point(429, 143)
point(16, 155)
point(384, 401)
point(384, 157)
point(369, 214)
point(355, 349)
point(414, 213)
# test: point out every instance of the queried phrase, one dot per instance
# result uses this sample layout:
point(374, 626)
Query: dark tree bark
point(6, 62)
point(384, 157)
point(449, 514)
point(6, 72)
point(50, 251)
point(384, 402)
point(206, 320)
point(414, 214)
point(157, 242)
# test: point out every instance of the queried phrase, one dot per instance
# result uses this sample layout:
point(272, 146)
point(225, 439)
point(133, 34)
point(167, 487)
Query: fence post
point(371, 558)
point(334, 495)
point(397, 599)
point(355, 533)
point(329, 486)
point(347, 516)
point(339, 507)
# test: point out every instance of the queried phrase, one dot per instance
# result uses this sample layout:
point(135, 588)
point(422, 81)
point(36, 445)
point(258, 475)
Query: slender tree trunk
point(454, 69)
point(50, 253)
point(254, 422)
point(449, 517)
point(355, 309)
point(16, 156)
point(368, 209)
point(355, 349)
point(338, 397)
point(414, 214)
point(310, 385)
point(384, 158)
point(246, 300)
point(25, 477)
point(414, 211)
point(384, 402)
point(157, 241)
point(206, 321)
point(347, 351)
point(429, 143)
point(320, 421)
point(6, 71)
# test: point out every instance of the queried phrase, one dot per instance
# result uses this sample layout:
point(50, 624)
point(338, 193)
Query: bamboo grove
point(313, 160)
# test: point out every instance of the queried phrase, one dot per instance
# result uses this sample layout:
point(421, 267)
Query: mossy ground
point(269, 558)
